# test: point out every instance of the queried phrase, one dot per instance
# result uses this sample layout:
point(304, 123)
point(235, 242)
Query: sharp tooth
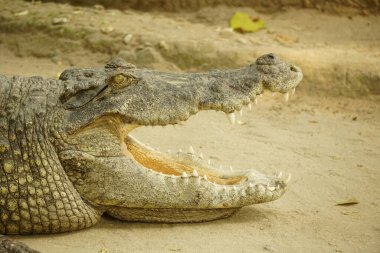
point(279, 175)
point(191, 149)
point(255, 101)
point(232, 117)
point(234, 188)
point(220, 167)
point(293, 90)
point(261, 95)
point(169, 151)
point(250, 185)
point(180, 150)
point(209, 162)
point(241, 112)
point(173, 178)
point(184, 174)
point(205, 177)
point(286, 96)
point(201, 155)
point(195, 173)
point(272, 188)
point(225, 188)
point(250, 106)
point(231, 169)
point(288, 178)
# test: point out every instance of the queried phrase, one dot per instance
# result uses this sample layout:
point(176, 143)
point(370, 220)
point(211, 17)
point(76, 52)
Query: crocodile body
point(66, 155)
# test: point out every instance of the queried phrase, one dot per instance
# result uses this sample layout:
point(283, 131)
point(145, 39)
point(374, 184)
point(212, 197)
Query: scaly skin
point(66, 155)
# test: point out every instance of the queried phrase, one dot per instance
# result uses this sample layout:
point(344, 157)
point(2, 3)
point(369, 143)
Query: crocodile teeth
point(231, 169)
point(294, 90)
point(201, 155)
point(191, 150)
point(279, 175)
point(241, 112)
point(250, 106)
point(195, 173)
point(209, 162)
point(287, 180)
point(205, 177)
point(184, 174)
point(255, 101)
point(232, 117)
point(286, 96)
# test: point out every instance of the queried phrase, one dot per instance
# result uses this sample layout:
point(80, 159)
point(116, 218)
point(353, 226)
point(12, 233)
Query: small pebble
point(162, 44)
point(106, 29)
point(269, 248)
point(127, 38)
point(98, 7)
point(59, 21)
point(22, 13)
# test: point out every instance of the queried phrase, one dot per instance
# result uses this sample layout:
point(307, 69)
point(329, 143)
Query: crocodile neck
point(35, 194)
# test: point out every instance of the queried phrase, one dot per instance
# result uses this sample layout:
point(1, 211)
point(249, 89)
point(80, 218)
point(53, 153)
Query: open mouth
point(111, 131)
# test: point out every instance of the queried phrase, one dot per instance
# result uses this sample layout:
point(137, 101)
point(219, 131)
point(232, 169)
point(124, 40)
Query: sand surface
point(330, 145)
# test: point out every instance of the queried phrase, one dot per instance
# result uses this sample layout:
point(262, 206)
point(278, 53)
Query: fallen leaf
point(348, 202)
point(243, 23)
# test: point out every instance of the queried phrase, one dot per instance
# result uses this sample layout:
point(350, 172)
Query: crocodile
point(67, 155)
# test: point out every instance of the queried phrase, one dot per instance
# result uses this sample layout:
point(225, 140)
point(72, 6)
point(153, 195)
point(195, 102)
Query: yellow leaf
point(242, 22)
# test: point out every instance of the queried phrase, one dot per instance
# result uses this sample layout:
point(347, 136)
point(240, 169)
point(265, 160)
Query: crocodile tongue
point(178, 165)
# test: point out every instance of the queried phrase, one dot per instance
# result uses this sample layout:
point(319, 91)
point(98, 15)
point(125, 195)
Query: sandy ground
point(330, 145)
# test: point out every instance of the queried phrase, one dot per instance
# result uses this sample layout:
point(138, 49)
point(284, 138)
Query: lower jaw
point(170, 215)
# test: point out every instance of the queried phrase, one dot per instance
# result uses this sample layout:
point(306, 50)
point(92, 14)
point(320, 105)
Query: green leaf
point(242, 22)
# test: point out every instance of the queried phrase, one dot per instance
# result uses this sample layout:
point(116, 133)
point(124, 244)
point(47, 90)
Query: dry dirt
point(331, 145)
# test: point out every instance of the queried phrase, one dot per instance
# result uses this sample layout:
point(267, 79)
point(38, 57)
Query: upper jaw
point(159, 98)
point(170, 98)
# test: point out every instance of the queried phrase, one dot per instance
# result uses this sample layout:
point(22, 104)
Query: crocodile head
point(130, 180)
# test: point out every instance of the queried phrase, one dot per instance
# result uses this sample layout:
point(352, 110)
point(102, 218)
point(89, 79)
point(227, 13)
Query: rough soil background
point(327, 135)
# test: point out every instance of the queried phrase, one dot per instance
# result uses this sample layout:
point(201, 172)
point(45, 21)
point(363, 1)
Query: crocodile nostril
point(292, 68)
point(270, 56)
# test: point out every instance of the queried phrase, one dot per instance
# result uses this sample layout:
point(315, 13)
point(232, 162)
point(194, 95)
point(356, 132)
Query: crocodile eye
point(121, 81)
